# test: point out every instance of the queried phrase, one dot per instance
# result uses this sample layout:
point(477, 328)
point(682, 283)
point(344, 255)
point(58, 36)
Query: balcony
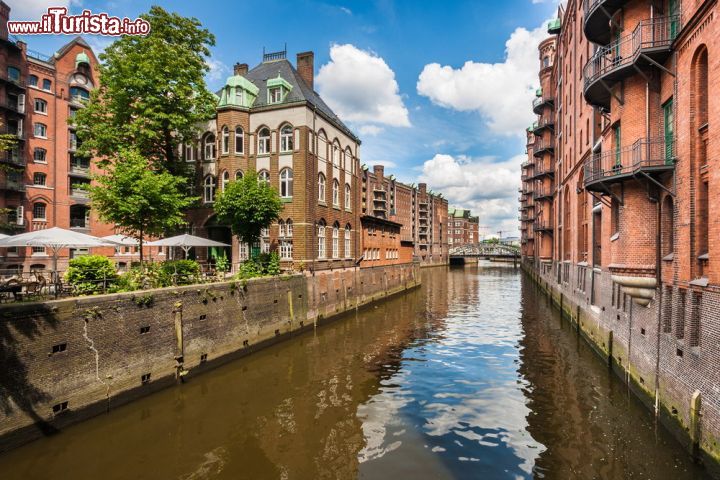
point(14, 80)
point(545, 122)
point(649, 44)
point(543, 171)
point(14, 156)
point(544, 193)
point(14, 184)
point(543, 226)
point(597, 14)
point(80, 169)
point(541, 147)
point(646, 156)
point(14, 106)
point(13, 130)
point(541, 102)
point(79, 223)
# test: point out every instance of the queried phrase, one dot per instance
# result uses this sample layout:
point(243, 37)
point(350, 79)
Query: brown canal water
point(472, 376)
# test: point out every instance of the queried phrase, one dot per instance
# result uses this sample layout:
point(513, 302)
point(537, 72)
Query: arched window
point(336, 154)
point(336, 193)
point(40, 130)
point(322, 145)
point(667, 226)
point(39, 210)
point(209, 189)
point(264, 176)
point(281, 228)
point(289, 228)
point(321, 187)
point(239, 175)
point(286, 138)
point(348, 160)
point(348, 246)
point(209, 146)
point(336, 240)
point(225, 179)
point(286, 183)
point(699, 95)
point(225, 140)
point(40, 155)
point(321, 239)
point(40, 105)
point(33, 80)
point(39, 179)
point(264, 141)
point(78, 94)
point(348, 199)
point(239, 140)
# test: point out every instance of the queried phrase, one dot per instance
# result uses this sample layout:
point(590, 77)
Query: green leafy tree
point(152, 92)
point(138, 199)
point(248, 206)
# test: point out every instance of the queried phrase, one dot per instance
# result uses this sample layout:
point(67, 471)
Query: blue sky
point(437, 91)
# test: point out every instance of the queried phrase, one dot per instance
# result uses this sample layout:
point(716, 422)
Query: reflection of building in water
point(576, 403)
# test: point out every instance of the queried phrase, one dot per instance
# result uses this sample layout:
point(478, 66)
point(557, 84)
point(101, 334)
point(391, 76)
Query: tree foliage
point(248, 206)
point(138, 199)
point(152, 92)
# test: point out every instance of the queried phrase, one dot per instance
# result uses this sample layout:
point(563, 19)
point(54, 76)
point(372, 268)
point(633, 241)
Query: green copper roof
point(279, 82)
point(81, 57)
point(238, 91)
point(554, 26)
point(538, 92)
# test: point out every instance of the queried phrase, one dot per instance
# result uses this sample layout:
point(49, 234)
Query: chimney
point(240, 69)
point(379, 171)
point(4, 17)
point(422, 187)
point(306, 67)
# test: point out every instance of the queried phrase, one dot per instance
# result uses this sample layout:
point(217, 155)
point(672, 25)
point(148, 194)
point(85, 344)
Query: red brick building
point(625, 222)
point(43, 182)
point(463, 228)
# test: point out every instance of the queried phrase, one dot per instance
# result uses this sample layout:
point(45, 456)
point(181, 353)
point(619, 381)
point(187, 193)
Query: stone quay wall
point(678, 378)
point(66, 360)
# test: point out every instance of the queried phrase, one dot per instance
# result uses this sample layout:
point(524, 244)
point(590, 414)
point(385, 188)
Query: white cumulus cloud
point(361, 88)
point(500, 92)
point(486, 186)
point(34, 9)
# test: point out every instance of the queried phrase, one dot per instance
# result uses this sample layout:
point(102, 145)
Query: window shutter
point(20, 215)
point(21, 103)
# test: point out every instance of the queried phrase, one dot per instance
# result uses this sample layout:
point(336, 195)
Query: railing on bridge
point(504, 250)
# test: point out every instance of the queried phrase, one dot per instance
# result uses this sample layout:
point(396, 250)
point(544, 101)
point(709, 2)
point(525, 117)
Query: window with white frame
point(189, 152)
point(39, 179)
point(281, 228)
point(40, 155)
point(209, 146)
point(264, 141)
point(321, 239)
point(286, 138)
point(225, 180)
point(265, 240)
point(239, 175)
point(264, 176)
point(348, 246)
point(39, 210)
point(336, 193)
point(286, 243)
point(286, 183)
point(225, 140)
point(289, 228)
point(336, 240)
point(321, 187)
point(348, 199)
point(243, 251)
point(40, 105)
point(209, 189)
point(336, 154)
point(239, 140)
point(40, 130)
point(275, 95)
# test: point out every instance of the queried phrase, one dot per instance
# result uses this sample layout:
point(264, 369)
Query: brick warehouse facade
point(463, 228)
point(42, 182)
point(627, 237)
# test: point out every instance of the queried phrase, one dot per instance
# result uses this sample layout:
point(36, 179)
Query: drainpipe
point(658, 281)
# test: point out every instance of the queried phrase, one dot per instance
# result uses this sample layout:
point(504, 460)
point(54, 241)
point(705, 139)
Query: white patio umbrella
point(55, 239)
point(186, 242)
point(2, 235)
point(122, 240)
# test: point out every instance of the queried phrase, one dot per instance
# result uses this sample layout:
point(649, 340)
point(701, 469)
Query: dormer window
point(275, 95)
point(278, 89)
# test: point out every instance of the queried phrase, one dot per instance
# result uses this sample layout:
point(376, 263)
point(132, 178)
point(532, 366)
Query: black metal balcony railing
point(15, 106)
point(542, 171)
point(14, 131)
point(540, 102)
point(610, 63)
point(543, 193)
point(13, 156)
point(79, 223)
point(17, 80)
point(596, 14)
point(543, 226)
point(655, 154)
point(541, 147)
point(15, 184)
point(546, 121)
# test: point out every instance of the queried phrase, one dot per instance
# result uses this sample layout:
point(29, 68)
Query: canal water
point(472, 376)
